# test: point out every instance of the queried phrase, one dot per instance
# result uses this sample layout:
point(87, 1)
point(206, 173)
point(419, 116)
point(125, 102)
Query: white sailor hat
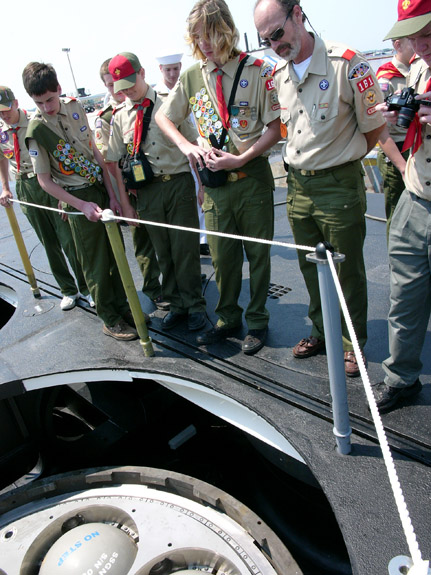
point(169, 59)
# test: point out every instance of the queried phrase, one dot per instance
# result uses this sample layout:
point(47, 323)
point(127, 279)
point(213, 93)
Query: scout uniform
point(325, 115)
point(65, 152)
point(244, 205)
point(144, 250)
point(409, 256)
point(169, 198)
point(53, 233)
point(392, 79)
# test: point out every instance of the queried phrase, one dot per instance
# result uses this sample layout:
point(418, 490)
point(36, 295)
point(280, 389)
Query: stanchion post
point(126, 277)
point(22, 250)
point(334, 346)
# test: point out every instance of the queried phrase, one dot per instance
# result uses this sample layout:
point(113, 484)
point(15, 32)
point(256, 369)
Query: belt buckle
point(308, 172)
point(233, 177)
point(166, 178)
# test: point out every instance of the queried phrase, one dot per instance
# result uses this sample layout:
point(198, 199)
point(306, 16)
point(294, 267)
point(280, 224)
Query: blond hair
point(215, 23)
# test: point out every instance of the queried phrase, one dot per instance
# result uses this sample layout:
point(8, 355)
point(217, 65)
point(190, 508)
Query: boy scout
point(243, 205)
point(409, 235)
point(328, 96)
point(70, 168)
point(144, 250)
point(53, 232)
point(169, 197)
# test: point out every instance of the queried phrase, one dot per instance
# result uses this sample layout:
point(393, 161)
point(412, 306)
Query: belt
point(76, 188)
point(168, 177)
point(26, 176)
point(321, 172)
point(235, 176)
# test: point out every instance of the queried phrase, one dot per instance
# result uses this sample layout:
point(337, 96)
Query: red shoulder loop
point(273, 70)
point(100, 112)
point(413, 58)
point(348, 54)
point(73, 99)
point(242, 56)
point(258, 62)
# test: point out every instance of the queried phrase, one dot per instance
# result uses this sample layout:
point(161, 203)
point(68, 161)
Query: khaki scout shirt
point(102, 126)
point(330, 109)
point(164, 156)
point(254, 107)
point(418, 170)
point(74, 155)
point(7, 148)
point(390, 86)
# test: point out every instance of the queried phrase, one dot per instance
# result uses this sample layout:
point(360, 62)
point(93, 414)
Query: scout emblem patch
point(70, 162)
point(207, 121)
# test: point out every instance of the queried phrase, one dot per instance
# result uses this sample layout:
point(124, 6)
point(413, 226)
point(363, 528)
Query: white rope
point(46, 208)
point(419, 567)
point(108, 215)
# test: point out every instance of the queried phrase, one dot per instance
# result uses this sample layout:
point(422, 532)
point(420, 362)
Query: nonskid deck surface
point(291, 394)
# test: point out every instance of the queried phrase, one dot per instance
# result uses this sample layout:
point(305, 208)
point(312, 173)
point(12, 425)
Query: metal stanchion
point(22, 250)
point(334, 346)
point(126, 277)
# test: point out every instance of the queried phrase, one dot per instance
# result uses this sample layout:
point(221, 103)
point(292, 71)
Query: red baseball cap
point(413, 15)
point(123, 69)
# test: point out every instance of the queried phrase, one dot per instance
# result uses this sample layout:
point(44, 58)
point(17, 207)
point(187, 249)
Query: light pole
point(67, 50)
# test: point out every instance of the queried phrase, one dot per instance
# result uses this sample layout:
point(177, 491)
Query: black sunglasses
point(277, 34)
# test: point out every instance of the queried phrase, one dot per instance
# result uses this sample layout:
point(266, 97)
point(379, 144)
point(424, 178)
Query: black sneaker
point(387, 397)
point(216, 334)
point(204, 249)
point(172, 319)
point(196, 320)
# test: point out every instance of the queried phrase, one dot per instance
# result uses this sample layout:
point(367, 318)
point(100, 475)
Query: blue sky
point(96, 31)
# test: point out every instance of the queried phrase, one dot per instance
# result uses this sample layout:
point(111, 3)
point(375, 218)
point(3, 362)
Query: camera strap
point(231, 98)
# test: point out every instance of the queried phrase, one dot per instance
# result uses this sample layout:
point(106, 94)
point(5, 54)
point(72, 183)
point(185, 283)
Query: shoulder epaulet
point(258, 62)
point(348, 54)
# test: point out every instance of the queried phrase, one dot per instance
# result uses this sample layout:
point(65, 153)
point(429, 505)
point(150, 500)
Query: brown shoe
point(308, 347)
point(351, 366)
point(121, 331)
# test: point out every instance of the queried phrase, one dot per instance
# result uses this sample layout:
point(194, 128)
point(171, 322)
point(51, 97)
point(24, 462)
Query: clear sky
point(95, 31)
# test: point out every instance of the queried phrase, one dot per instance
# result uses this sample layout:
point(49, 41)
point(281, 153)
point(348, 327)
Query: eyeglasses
point(277, 34)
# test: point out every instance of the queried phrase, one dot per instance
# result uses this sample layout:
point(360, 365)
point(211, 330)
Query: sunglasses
point(277, 34)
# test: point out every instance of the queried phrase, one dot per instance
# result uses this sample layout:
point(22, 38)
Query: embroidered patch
point(98, 123)
point(243, 103)
point(267, 71)
point(324, 84)
point(371, 111)
point(370, 97)
point(270, 84)
point(33, 153)
point(243, 83)
point(75, 116)
point(365, 84)
point(8, 154)
point(275, 107)
point(359, 70)
point(83, 128)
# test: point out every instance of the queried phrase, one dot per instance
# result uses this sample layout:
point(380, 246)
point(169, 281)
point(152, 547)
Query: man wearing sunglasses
point(328, 94)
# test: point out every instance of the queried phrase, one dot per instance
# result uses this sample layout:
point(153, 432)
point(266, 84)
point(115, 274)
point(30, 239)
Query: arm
point(91, 210)
point(127, 209)
point(193, 152)
point(219, 160)
point(373, 136)
point(6, 194)
point(392, 152)
point(113, 202)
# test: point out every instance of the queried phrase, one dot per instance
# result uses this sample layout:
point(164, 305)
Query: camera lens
point(405, 116)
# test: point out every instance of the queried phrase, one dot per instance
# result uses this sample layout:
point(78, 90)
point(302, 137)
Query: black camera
point(406, 105)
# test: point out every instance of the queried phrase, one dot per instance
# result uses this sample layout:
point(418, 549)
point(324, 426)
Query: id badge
point(138, 171)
